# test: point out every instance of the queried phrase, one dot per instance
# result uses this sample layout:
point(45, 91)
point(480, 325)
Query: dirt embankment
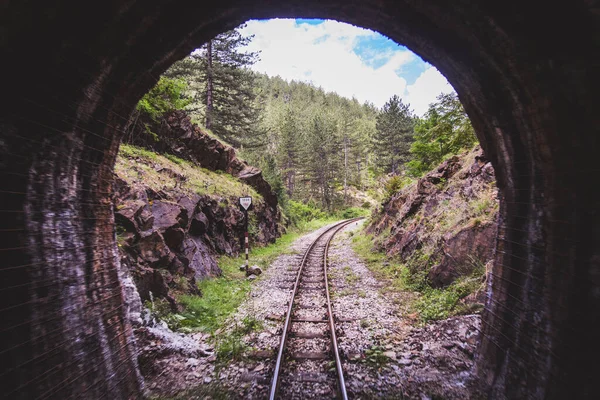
point(443, 226)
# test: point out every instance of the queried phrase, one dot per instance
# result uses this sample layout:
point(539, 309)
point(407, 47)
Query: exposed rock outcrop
point(170, 230)
point(179, 136)
point(445, 223)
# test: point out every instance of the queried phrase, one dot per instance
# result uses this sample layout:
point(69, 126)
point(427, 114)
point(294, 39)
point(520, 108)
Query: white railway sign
point(246, 202)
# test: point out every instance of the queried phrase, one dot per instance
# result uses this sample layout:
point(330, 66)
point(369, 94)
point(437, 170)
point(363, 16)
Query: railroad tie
point(310, 355)
point(310, 335)
point(313, 377)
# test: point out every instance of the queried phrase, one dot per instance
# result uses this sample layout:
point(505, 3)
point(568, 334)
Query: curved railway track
point(308, 351)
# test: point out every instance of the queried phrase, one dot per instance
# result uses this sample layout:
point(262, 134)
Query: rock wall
point(170, 238)
point(447, 219)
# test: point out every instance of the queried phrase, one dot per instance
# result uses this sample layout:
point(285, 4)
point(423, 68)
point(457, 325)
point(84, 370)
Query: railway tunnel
point(72, 73)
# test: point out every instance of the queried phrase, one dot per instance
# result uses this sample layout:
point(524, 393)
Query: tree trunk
point(345, 169)
point(209, 85)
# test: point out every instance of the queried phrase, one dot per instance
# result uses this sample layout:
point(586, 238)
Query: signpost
point(246, 204)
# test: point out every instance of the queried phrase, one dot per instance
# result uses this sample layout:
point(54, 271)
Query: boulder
point(199, 224)
point(444, 224)
point(200, 258)
point(153, 249)
point(462, 252)
point(253, 270)
point(188, 206)
point(148, 281)
point(166, 214)
point(145, 219)
point(126, 214)
point(174, 237)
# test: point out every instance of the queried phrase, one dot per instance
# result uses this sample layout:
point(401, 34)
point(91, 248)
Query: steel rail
point(336, 353)
point(279, 362)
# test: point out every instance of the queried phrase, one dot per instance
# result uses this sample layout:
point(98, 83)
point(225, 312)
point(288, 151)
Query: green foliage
point(353, 212)
point(161, 309)
point(411, 275)
point(273, 176)
point(350, 275)
point(232, 346)
point(375, 356)
point(445, 129)
point(377, 261)
point(224, 88)
point(436, 304)
point(136, 163)
point(298, 212)
point(320, 140)
point(220, 297)
point(442, 303)
point(167, 95)
point(393, 137)
point(394, 184)
point(321, 155)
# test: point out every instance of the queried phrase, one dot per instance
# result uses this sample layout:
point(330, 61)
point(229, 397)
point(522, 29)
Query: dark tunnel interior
point(72, 72)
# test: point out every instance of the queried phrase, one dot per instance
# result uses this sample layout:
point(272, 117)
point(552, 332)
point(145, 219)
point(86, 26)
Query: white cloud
point(323, 54)
point(425, 89)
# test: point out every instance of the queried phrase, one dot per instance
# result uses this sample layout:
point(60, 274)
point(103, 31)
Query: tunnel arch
point(73, 72)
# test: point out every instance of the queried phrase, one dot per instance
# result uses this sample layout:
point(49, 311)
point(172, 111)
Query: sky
point(342, 58)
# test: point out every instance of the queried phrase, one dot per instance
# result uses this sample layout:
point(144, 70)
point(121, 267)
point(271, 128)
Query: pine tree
point(223, 88)
point(321, 158)
point(288, 151)
point(393, 136)
point(230, 112)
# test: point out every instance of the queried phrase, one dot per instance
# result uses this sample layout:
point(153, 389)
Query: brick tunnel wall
point(73, 71)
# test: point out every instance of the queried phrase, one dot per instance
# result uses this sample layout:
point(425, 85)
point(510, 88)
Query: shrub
point(395, 184)
point(298, 212)
point(166, 96)
point(353, 212)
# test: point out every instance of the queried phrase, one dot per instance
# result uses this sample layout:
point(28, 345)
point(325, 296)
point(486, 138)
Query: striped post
point(246, 244)
point(246, 238)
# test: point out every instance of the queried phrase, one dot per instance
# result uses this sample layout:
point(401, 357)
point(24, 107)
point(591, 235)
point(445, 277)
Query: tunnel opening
point(531, 108)
point(293, 96)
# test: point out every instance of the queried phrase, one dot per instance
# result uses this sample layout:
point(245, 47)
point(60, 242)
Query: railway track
point(308, 362)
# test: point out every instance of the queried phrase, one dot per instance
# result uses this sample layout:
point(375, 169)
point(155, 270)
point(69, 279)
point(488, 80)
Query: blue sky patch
point(376, 50)
point(309, 21)
point(412, 70)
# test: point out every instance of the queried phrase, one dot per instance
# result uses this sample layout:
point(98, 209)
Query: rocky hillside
point(443, 226)
point(175, 214)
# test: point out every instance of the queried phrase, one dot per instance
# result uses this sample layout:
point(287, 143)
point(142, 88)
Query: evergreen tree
point(224, 88)
point(288, 151)
point(445, 129)
point(393, 136)
point(321, 159)
point(230, 112)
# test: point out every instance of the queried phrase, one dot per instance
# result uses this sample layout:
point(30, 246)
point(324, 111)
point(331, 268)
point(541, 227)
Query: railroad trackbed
point(292, 353)
point(308, 359)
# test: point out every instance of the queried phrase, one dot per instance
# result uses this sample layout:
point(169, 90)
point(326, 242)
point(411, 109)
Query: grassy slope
point(135, 164)
point(429, 304)
point(222, 296)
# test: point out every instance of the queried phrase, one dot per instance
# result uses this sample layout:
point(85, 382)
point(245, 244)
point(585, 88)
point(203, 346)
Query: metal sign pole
point(246, 238)
point(245, 205)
